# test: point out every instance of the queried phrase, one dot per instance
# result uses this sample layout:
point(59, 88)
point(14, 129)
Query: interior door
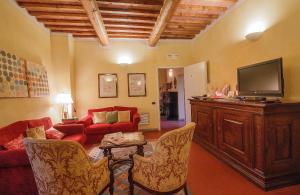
point(195, 84)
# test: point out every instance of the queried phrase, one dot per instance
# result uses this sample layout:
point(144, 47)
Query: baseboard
point(148, 130)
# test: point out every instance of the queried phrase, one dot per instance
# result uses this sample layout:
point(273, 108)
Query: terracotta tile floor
point(210, 176)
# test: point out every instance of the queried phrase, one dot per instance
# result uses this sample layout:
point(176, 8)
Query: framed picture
point(37, 80)
point(136, 84)
point(108, 85)
point(13, 82)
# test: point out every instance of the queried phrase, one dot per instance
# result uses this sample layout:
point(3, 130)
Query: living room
point(73, 65)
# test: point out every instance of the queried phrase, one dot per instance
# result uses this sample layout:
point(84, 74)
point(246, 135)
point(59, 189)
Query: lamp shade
point(64, 98)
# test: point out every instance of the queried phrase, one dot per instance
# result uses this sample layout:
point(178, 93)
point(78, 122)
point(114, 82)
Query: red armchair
point(15, 170)
point(95, 132)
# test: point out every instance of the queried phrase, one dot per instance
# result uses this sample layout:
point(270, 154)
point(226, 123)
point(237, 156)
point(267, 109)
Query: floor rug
point(121, 185)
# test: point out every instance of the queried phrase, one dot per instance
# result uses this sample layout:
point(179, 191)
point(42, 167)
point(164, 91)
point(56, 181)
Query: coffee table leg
point(140, 150)
point(111, 182)
point(111, 177)
point(105, 151)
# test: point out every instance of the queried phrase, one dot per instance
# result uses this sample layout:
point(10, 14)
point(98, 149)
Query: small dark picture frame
point(136, 84)
point(107, 85)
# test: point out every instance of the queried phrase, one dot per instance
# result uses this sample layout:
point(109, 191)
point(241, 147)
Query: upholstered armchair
point(63, 167)
point(165, 171)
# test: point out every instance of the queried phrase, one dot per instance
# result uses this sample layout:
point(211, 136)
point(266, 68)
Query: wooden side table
point(69, 120)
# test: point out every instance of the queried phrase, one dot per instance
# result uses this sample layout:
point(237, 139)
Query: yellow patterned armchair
point(165, 171)
point(63, 167)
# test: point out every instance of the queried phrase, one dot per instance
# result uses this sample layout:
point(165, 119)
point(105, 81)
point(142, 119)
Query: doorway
point(171, 98)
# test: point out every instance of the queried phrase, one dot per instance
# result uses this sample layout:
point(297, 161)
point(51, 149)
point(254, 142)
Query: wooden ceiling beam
point(213, 3)
point(166, 13)
point(71, 28)
point(126, 25)
point(186, 9)
point(127, 29)
point(62, 2)
point(129, 33)
point(85, 36)
point(46, 7)
point(189, 21)
point(65, 22)
point(129, 5)
point(130, 12)
point(87, 33)
point(133, 2)
point(95, 17)
point(55, 15)
point(135, 19)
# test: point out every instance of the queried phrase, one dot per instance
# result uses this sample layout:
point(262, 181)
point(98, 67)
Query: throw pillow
point(15, 144)
point(54, 134)
point(99, 117)
point(124, 116)
point(36, 132)
point(112, 117)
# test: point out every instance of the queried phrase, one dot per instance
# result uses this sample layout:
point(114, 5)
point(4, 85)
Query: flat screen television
point(264, 79)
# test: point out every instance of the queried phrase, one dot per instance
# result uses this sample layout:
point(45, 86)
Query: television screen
point(262, 79)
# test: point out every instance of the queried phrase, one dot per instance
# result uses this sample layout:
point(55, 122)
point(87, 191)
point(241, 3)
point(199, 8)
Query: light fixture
point(66, 100)
point(170, 73)
point(255, 31)
point(124, 60)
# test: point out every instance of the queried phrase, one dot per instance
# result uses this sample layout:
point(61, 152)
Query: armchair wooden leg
point(185, 189)
point(130, 178)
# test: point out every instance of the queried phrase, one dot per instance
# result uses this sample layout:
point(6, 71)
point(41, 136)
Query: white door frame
point(157, 88)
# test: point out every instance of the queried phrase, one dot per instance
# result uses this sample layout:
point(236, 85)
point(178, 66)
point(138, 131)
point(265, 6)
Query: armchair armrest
point(13, 158)
point(86, 121)
point(136, 118)
point(70, 129)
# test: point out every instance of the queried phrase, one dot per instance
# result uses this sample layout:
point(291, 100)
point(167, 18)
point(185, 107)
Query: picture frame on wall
point(108, 85)
point(136, 84)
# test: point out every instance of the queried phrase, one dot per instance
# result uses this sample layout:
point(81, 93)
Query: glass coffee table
point(121, 140)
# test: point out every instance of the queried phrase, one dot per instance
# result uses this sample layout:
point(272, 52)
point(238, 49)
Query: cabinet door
point(235, 135)
point(203, 118)
point(283, 141)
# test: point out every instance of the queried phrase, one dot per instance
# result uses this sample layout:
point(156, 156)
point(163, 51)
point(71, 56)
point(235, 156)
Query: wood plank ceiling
point(144, 19)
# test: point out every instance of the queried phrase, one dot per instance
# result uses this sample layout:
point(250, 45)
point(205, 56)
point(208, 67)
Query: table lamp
point(66, 100)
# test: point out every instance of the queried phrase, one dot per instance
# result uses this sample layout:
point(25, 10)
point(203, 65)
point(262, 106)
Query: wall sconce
point(170, 72)
point(124, 60)
point(255, 31)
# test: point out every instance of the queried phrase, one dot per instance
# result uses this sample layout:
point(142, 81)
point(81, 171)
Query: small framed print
point(137, 84)
point(108, 85)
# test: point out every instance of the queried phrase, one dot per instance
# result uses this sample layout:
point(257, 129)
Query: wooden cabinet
point(261, 141)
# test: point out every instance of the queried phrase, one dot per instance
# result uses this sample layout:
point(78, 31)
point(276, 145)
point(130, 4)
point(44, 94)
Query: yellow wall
point(225, 48)
point(91, 59)
point(21, 35)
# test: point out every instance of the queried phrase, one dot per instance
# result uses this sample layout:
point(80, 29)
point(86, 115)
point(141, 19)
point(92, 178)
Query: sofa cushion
point(80, 138)
point(124, 116)
point(12, 131)
point(107, 109)
point(15, 144)
point(54, 134)
point(133, 110)
point(122, 126)
point(36, 132)
point(112, 117)
point(99, 117)
point(102, 128)
point(46, 122)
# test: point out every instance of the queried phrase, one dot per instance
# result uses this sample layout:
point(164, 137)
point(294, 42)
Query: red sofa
point(95, 132)
point(16, 176)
